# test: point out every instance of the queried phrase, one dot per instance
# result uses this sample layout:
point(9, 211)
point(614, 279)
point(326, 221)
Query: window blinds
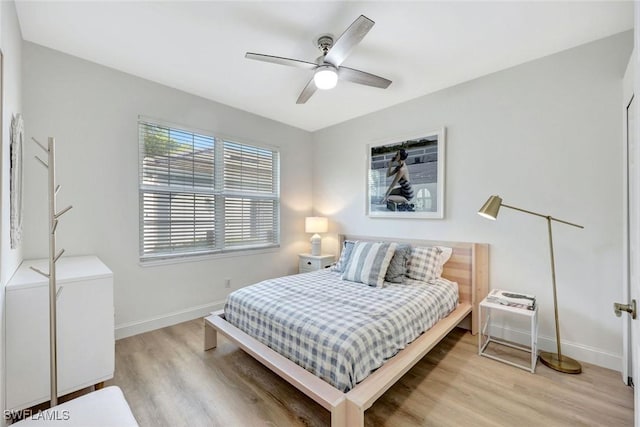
point(201, 194)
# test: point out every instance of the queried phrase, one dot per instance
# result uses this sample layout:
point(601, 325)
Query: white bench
point(103, 408)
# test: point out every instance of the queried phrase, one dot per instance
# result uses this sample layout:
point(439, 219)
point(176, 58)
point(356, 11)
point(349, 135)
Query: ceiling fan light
point(325, 77)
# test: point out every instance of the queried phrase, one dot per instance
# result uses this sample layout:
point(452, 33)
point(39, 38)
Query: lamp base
point(566, 365)
point(316, 245)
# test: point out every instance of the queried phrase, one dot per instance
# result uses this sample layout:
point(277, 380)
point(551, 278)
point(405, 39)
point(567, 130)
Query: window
point(200, 194)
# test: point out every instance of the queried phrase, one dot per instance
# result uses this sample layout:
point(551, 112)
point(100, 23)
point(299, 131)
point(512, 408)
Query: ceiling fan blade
point(282, 61)
point(357, 76)
point(348, 40)
point(306, 93)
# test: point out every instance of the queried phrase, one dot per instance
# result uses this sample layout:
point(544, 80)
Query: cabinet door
point(27, 347)
point(85, 339)
point(85, 334)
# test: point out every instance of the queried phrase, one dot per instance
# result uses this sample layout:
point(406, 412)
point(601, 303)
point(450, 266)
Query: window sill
point(206, 257)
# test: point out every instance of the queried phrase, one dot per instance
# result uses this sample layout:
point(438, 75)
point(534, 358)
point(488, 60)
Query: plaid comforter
point(338, 330)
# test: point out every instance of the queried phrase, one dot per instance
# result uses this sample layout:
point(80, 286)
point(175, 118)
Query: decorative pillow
point(423, 263)
point(445, 255)
point(398, 266)
point(369, 262)
point(345, 256)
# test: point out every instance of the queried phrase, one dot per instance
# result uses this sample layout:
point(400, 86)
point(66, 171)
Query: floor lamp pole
point(555, 291)
point(557, 361)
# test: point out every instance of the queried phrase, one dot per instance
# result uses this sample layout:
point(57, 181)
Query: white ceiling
point(422, 47)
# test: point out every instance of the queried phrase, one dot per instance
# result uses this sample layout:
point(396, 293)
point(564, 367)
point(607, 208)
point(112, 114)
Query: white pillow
point(445, 255)
point(369, 262)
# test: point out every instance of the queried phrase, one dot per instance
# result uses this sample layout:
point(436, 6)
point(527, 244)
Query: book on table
point(512, 299)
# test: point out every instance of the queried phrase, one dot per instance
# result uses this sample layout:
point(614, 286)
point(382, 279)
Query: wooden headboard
point(468, 266)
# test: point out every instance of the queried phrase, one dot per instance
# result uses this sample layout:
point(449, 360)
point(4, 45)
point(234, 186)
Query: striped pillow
point(424, 263)
point(345, 256)
point(369, 262)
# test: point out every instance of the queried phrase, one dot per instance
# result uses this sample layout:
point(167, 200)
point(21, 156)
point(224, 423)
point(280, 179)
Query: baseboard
point(583, 353)
point(125, 330)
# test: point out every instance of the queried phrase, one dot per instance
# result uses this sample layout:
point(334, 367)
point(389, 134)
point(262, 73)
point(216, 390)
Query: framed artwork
point(17, 136)
point(406, 176)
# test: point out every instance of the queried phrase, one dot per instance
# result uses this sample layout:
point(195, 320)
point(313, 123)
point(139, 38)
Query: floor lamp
point(556, 361)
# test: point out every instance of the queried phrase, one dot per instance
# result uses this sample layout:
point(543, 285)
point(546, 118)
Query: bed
point(348, 397)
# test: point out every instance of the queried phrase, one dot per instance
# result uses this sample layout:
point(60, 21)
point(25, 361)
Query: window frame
point(218, 192)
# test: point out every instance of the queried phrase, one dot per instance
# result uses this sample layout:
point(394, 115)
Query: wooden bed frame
point(468, 266)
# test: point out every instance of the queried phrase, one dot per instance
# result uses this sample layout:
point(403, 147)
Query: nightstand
point(484, 337)
point(308, 262)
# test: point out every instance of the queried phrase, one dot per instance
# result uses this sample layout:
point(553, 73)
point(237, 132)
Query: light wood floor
point(170, 381)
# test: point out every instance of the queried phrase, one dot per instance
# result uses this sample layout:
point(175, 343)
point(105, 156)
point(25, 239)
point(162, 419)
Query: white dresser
point(85, 325)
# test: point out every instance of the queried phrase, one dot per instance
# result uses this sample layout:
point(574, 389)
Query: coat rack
point(53, 258)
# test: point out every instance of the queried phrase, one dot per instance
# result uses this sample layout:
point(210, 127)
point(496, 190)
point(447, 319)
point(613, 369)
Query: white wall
point(92, 111)
point(11, 45)
point(545, 136)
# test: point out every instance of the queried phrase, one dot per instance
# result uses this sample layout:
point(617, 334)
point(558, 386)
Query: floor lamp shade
point(491, 207)
point(556, 361)
point(316, 224)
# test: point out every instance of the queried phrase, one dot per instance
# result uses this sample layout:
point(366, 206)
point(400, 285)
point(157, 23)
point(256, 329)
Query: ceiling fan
point(327, 68)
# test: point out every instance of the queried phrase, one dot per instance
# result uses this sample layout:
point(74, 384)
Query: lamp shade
point(491, 207)
point(316, 224)
point(325, 77)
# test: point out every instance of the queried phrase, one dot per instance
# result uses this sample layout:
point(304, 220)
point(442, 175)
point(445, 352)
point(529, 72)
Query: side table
point(484, 337)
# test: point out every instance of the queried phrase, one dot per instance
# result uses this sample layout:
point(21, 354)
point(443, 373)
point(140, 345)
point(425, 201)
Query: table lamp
point(316, 224)
point(556, 361)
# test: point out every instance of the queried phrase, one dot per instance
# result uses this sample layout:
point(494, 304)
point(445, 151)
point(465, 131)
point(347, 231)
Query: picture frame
point(405, 176)
point(16, 179)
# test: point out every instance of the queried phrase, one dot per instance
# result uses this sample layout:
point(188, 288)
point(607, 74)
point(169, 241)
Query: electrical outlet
point(227, 283)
